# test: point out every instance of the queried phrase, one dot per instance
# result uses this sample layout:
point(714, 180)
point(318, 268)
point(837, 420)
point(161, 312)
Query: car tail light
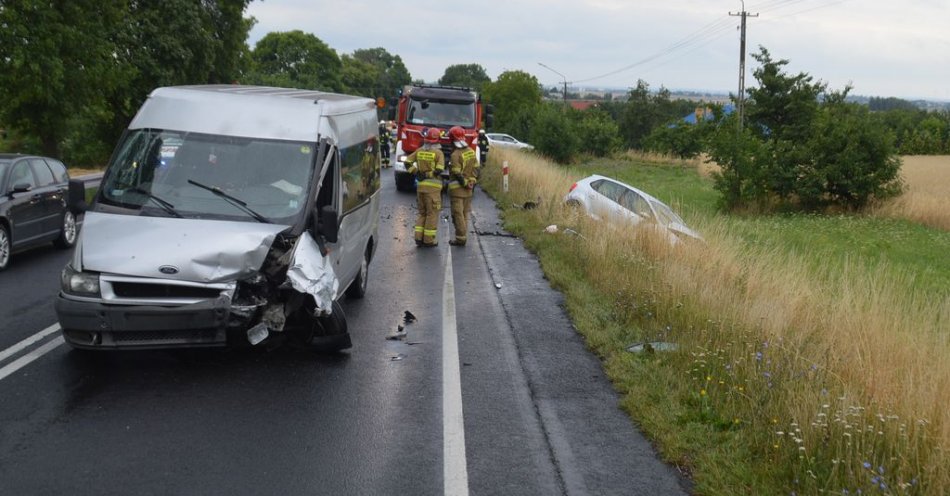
point(573, 187)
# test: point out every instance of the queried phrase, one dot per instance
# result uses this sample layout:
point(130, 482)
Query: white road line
point(27, 342)
point(25, 360)
point(455, 467)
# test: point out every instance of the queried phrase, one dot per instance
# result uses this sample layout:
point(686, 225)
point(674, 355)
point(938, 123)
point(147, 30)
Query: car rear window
point(59, 170)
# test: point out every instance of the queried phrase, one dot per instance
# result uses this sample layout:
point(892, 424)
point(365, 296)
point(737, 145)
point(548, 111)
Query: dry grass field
point(927, 197)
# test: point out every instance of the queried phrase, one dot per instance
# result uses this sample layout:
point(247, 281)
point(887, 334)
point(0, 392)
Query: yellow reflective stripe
point(431, 232)
point(425, 155)
point(431, 183)
point(468, 154)
point(418, 228)
point(454, 185)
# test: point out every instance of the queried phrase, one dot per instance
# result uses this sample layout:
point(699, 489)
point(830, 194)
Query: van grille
point(176, 336)
point(140, 290)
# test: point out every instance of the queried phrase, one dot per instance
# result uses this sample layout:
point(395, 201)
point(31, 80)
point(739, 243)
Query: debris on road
point(257, 333)
point(497, 285)
point(409, 317)
point(552, 229)
point(396, 358)
point(399, 335)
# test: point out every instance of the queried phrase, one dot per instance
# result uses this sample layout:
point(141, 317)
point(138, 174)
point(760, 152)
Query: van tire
point(357, 289)
point(324, 334)
point(68, 230)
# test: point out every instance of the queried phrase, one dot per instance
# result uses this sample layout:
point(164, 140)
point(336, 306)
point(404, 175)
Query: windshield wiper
point(232, 200)
point(168, 207)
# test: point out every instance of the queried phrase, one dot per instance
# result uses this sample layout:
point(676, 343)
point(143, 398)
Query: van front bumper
point(93, 325)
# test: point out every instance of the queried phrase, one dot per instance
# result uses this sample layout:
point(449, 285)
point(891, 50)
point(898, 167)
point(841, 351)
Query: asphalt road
point(535, 414)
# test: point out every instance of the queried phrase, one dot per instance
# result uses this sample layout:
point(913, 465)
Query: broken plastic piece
point(311, 273)
point(651, 347)
point(274, 317)
point(498, 285)
point(257, 333)
point(396, 358)
point(552, 229)
point(409, 317)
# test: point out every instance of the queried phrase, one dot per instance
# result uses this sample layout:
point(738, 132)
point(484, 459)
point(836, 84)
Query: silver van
point(228, 215)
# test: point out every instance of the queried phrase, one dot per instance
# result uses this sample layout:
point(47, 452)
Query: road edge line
point(25, 360)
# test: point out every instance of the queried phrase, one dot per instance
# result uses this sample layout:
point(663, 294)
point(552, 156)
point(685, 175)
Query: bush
point(681, 139)
point(598, 133)
point(553, 133)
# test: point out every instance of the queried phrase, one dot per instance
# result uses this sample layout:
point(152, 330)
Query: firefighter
point(462, 179)
point(384, 138)
point(482, 146)
point(427, 163)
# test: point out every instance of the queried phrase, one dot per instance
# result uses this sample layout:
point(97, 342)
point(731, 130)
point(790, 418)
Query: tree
point(358, 77)
point(782, 106)
point(512, 93)
point(465, 75)
point(391, 73)
point(295, 59)
point(55, 62)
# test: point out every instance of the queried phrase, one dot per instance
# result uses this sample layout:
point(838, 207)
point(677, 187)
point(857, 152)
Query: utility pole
point(741, 100)
point(564, 78)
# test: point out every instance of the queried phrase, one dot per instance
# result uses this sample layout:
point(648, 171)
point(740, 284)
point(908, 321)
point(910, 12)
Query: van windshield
point(153, 166)
point(441, 113)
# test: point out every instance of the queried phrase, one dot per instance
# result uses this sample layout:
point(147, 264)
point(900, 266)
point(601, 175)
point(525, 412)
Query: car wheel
point(67, 232)
point(357, 288)
point(5, 247)
point(324, 334)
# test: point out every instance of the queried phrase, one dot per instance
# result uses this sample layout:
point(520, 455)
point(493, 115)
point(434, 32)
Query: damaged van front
point(228, 215)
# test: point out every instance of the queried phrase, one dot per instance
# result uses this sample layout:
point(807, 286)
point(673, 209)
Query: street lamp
point(563, 77)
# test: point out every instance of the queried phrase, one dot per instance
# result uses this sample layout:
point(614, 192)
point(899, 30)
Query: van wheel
point(357, 288)
point(323, 334)
point(5, 247)
point(67, 232)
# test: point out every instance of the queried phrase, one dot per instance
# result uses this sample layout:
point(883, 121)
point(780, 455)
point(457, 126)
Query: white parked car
point(506, 141)
point(605, 198)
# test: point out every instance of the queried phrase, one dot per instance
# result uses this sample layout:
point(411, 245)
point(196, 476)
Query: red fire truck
point(422, 107)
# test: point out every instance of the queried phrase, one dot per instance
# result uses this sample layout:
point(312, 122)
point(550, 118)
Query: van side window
point(360, 169)
point(327, 190)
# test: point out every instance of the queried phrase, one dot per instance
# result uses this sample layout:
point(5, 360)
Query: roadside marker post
point(504, 176)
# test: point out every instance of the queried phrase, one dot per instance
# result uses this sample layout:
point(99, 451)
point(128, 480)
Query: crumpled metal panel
point(311, 273)
point(207, 251)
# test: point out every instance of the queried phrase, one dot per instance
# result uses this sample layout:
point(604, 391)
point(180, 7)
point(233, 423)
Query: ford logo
point(168, 269)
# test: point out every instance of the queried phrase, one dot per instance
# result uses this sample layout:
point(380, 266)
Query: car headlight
point(79, 283)
point(402, 158)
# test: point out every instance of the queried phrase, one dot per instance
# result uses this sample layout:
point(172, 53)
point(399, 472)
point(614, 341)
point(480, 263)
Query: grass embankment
point(812, 351)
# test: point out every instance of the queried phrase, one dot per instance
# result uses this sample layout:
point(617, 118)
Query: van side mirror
point(327, 224)
point(76, 197)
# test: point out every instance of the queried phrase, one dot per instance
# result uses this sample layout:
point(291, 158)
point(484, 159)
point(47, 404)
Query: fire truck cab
point(421, 107)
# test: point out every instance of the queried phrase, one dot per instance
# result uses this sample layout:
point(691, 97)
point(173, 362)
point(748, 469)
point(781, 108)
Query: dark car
point(33, 193)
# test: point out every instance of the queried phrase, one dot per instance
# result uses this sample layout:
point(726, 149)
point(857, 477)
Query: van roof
point(248, 111)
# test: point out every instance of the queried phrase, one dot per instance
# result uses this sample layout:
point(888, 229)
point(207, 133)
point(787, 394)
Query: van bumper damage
point(291, 296)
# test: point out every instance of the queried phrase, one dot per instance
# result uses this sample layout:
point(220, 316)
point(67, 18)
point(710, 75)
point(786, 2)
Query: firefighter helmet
point(432, 135)
point(457, 133)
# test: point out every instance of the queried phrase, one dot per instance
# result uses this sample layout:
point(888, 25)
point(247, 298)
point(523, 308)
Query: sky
point(879, 47)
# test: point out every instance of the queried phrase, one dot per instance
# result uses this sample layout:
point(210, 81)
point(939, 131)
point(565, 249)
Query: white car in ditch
point(606, 198)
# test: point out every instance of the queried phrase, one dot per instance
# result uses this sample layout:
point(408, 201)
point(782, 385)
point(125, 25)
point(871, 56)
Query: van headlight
point(79, 283)
point(402, 158)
